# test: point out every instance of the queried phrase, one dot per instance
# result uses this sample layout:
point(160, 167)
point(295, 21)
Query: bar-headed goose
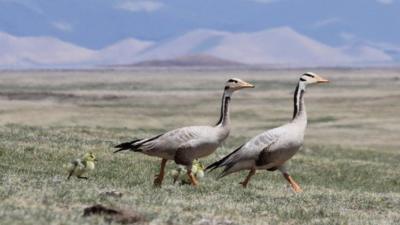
point(272, 148)
point(185, 144)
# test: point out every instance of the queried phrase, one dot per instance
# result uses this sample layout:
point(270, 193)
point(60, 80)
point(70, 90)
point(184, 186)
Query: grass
point(348, 168)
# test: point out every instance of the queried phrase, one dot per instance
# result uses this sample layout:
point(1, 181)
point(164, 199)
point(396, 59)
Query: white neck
point(224, 119)
point(299, 111)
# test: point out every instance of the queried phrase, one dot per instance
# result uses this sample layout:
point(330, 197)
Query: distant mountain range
point(282, 46)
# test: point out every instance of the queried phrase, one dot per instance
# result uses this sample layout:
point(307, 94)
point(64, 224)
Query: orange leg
point(160, 177)
point(192, 178)
point(293, 184)
point(246, 181)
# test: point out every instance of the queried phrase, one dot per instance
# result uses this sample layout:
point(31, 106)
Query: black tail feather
point(127, 146)
point(134, 145)
point(215, 165)
point(220, 162)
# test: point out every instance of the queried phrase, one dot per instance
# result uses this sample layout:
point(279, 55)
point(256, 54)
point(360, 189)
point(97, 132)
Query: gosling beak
point(321, 79)
point(244, 84)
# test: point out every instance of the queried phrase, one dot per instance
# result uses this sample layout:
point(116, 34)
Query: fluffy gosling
point(79, 167)
point(180, 172)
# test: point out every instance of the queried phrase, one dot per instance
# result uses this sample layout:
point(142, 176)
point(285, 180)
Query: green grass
point(340, 185)
point(346, 179)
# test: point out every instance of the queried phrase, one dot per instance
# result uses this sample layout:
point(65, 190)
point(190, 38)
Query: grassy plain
point(348, 168)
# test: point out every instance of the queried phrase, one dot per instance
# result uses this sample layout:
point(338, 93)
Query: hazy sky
point(98, 23)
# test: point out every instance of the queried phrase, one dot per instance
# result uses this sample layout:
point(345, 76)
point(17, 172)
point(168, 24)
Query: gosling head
point(89, 157)
point(312, 78)
point(235, 84)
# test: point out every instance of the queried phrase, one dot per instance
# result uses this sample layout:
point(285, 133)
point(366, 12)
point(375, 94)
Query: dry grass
point(348, 168)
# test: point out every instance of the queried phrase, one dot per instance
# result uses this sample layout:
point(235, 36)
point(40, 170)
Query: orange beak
point(244, 84)
point(321, 79)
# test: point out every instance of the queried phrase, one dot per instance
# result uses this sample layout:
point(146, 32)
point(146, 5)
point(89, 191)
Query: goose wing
point(166, 145)
point(178, 137)
point(246, 155)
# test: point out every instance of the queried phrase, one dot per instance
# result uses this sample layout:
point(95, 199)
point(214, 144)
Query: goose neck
point(299, 111)
point(224, 119)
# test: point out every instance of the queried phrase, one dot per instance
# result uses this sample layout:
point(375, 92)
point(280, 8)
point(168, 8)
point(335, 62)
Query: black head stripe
point(308, 75)
point(226, 87)
point(302, 79)
point(232, 80)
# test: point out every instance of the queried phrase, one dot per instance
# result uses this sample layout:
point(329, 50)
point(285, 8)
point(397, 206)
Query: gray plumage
point(268, 150)
point(185, 144)
point(271, 149)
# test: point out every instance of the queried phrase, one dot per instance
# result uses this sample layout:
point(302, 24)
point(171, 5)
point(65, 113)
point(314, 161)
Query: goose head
point(312, 78)
point(235, 84)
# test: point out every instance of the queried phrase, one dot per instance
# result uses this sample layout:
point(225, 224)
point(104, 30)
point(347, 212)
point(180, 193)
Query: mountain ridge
point(276, 46)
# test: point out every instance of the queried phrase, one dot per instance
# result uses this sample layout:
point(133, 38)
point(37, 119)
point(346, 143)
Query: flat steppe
point(349, 167)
